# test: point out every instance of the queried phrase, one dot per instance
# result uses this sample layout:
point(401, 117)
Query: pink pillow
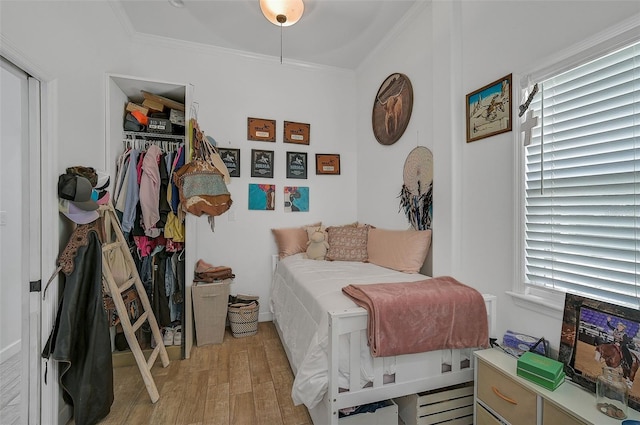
point(347, 243)
point(291, 240)
point(401, 250)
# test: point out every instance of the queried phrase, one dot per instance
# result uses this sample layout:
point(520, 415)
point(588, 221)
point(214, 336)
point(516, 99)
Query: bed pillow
point(292, 240)
point(401, 250)
point(347, 243)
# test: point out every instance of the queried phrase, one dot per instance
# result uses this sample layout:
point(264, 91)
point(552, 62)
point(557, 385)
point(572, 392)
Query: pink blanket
point(414, 317)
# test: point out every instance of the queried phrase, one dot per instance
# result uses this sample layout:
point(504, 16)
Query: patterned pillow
point(347, 243)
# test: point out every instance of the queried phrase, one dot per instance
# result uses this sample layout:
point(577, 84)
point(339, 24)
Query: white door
point(20, 233)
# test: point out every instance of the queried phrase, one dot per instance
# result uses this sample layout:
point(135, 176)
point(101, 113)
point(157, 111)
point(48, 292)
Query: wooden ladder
point(114, 240)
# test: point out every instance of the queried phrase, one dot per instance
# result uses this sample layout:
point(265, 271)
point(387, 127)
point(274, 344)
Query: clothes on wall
point(146, 200)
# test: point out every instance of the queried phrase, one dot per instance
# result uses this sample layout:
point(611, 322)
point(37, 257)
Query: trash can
point(210, 310)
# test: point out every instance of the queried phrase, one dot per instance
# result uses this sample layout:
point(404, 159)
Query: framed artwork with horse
point(596, 334)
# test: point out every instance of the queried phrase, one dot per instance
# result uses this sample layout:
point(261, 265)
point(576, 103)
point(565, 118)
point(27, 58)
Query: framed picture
point(296, 199)
point(296, 132)
point(296, 165)
point(392, 108)
point(327, 163)
point(596, 334)
point(231, 158)
point(262, 197)
point(261, 130)
point(261, 163)
point(489, 110)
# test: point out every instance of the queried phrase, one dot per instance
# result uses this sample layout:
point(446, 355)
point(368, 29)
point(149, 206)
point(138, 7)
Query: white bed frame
point(414, 372)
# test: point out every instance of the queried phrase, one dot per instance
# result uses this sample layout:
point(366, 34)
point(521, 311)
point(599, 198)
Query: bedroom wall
point(450, 50)
point(230, 88)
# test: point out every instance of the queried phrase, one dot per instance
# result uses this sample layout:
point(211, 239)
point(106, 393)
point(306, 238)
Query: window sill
point(550, 306)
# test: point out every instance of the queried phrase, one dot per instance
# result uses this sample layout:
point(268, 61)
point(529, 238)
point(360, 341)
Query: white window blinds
point(582, 181)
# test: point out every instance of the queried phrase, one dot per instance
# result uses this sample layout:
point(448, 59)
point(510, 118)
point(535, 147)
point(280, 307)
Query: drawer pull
point(504, 397)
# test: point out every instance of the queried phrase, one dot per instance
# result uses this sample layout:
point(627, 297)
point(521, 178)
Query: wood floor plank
point(216, 410)
point(259, 365)
point(266, 404)
point(193, 406)
point(242, 409)
point(239, 373)
point(291, 415)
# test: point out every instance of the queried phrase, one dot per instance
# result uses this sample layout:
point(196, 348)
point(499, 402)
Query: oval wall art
point(392, 108)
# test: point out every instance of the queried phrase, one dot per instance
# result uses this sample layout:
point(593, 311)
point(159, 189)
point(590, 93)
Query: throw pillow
point(347, 243)
point(402, 250)
point(291, 240)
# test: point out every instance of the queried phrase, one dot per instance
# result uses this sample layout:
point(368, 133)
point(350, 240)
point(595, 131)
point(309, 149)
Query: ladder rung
point(153, 356)
point(111, 246)
point(128, 284)
point(140, 321)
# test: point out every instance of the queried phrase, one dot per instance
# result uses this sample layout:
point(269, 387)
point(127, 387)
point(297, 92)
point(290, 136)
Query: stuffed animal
point(317, 246)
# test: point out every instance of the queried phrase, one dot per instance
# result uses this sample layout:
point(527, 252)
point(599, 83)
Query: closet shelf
point(139, 134)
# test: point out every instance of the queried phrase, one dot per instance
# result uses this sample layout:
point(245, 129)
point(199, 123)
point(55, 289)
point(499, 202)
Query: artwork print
point(231, 159)
point(597, 334)
point(296, 199)
point(392, 108)
point(262, 197)
point(261, 163)
point(296, 165)
point(489, 110)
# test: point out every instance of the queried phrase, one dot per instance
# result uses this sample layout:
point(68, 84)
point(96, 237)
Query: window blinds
point(582, 181)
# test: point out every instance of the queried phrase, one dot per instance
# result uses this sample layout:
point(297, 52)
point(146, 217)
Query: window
point(582, 181)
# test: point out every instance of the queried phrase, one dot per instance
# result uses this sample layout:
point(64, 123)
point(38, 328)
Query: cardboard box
point(153, 105)
point(541, 370)
point(135, 107)
point(210, 310)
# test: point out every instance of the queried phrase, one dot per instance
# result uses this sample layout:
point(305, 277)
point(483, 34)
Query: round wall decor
point(392, 108)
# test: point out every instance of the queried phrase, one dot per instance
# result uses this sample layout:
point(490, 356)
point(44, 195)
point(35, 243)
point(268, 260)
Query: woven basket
point(243, 318)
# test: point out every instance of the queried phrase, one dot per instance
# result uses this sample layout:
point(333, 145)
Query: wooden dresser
point(503, 397)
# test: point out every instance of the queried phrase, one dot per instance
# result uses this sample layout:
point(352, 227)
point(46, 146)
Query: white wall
point(451, 49)
point(229, 89)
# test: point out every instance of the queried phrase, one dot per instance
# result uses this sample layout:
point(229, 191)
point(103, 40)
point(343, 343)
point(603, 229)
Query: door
point(20, 240)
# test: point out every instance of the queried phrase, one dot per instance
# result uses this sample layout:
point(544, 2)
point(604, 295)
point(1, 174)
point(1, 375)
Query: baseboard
point(10, 351)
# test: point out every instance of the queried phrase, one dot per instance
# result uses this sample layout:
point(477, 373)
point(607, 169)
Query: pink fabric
point(427, 315)
point(150, 188)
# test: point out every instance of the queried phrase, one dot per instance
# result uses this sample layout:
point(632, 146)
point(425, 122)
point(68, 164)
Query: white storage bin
point(451, 405)
point(387, 415)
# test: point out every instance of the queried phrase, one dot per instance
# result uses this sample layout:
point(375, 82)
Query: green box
point(541, 370)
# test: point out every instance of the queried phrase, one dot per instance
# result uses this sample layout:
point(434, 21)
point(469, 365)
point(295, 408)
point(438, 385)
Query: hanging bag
point(202, 183)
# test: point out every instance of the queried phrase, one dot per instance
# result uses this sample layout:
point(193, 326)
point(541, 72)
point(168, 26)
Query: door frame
point(40, 395)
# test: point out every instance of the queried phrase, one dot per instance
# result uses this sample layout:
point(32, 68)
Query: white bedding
point(302, 293)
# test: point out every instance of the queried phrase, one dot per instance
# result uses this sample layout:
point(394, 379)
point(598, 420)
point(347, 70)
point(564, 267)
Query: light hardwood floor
point(241, 381)
point(10, 390)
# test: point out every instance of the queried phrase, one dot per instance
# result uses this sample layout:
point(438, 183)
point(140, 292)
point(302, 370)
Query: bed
point(325, 337)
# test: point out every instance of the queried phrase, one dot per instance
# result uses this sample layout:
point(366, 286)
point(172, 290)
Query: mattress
point(302, 294)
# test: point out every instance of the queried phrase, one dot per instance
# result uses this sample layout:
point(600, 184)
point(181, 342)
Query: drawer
point(453, 405)
point(506, 397)
point(552, 415)
point(485, 418)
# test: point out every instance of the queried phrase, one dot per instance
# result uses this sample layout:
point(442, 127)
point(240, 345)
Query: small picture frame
point(296, 132)
point(327, 163)
point(261, 130)
point(231, 158)
point(261, 163)
point(489, 110)
point(296, 165)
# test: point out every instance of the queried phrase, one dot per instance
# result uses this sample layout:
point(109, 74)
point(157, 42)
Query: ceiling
point(337, 33)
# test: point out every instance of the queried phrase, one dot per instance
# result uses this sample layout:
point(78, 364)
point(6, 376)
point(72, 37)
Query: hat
point(88, 173)
point(75, 214)
point(103, 198)
point(103, 181)
point(78, 190)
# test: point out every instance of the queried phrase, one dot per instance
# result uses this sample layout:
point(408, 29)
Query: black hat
point(76, 189)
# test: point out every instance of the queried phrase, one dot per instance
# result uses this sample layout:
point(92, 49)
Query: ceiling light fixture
point(176, 3)
point(283, 13)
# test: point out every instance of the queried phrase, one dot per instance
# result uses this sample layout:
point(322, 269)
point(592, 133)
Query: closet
point(121, 90)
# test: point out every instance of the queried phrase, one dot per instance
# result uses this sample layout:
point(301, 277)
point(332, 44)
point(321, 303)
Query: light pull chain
point(280, 43)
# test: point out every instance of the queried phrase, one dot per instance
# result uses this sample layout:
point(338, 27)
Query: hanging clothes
point(80, 337)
